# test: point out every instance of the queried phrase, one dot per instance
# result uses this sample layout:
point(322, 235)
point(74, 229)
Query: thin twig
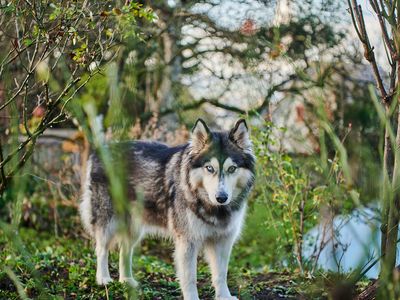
point(359, 25)
point(24, 112)
point(384, 31)
point(3, 175)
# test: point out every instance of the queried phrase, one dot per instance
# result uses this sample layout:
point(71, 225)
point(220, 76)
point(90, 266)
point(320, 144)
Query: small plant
point(296, 191)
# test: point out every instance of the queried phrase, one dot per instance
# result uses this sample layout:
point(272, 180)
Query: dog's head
point(222, 163)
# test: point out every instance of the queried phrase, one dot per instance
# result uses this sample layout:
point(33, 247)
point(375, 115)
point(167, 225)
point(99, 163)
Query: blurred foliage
point(294, 193)
point(49, 52)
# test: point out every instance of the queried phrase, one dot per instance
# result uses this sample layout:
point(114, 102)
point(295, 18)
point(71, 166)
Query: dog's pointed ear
point(240, 134)
point(201, 135)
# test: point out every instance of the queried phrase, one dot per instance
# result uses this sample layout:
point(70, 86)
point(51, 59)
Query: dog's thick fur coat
point(194, 193)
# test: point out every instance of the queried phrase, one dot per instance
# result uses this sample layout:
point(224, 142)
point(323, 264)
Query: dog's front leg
point(217, 254)
point(186, 267)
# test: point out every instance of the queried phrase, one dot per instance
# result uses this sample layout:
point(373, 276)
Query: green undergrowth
point(49, 267)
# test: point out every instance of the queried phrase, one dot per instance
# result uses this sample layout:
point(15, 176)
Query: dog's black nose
point(222, 197)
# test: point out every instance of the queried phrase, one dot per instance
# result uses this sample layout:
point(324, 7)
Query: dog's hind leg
point(125, 261)
point(103, 240)
point(217, 254)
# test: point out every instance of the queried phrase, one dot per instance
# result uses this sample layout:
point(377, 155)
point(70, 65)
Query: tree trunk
point(171, 69)
point(387, 178)
point(394, 204)
point(393, 195)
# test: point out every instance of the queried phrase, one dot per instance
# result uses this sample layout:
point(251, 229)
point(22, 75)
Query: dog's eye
point(210, 169)
point(232, 169)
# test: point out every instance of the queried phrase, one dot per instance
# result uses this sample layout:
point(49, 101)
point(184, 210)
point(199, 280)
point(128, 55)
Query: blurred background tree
point(194, 57)
point(49, 52)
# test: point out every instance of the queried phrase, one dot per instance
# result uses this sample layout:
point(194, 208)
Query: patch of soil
point(6, 284)
point(275, 286)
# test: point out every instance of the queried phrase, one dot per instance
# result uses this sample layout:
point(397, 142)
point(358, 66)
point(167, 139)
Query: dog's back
point(142, 168)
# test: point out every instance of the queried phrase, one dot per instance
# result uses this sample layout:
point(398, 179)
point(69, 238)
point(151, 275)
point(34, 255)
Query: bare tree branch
point(359, 25)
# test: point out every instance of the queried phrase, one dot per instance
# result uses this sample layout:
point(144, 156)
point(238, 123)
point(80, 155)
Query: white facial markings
point(225, 185)
point(195, 177)
point(211, 179)
point(228, 165)
point(221, 184)
point(243, 176)
point(232, 177)
point(214, 164)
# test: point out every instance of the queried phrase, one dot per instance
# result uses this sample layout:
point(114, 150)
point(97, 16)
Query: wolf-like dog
point(194, 194)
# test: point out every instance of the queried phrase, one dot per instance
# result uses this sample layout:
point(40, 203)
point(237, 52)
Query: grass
point(64, 267)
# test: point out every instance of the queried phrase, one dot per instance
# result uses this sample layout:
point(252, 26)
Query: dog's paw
point(129, 280)
point(227, 298)
point(103, 280)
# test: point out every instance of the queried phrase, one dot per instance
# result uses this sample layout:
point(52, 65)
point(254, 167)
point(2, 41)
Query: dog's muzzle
point(221, 197)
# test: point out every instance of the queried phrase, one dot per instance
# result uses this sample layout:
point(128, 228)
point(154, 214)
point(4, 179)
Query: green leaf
point(28, 42)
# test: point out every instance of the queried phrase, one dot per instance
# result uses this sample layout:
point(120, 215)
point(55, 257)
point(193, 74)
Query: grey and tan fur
point(194, 193)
